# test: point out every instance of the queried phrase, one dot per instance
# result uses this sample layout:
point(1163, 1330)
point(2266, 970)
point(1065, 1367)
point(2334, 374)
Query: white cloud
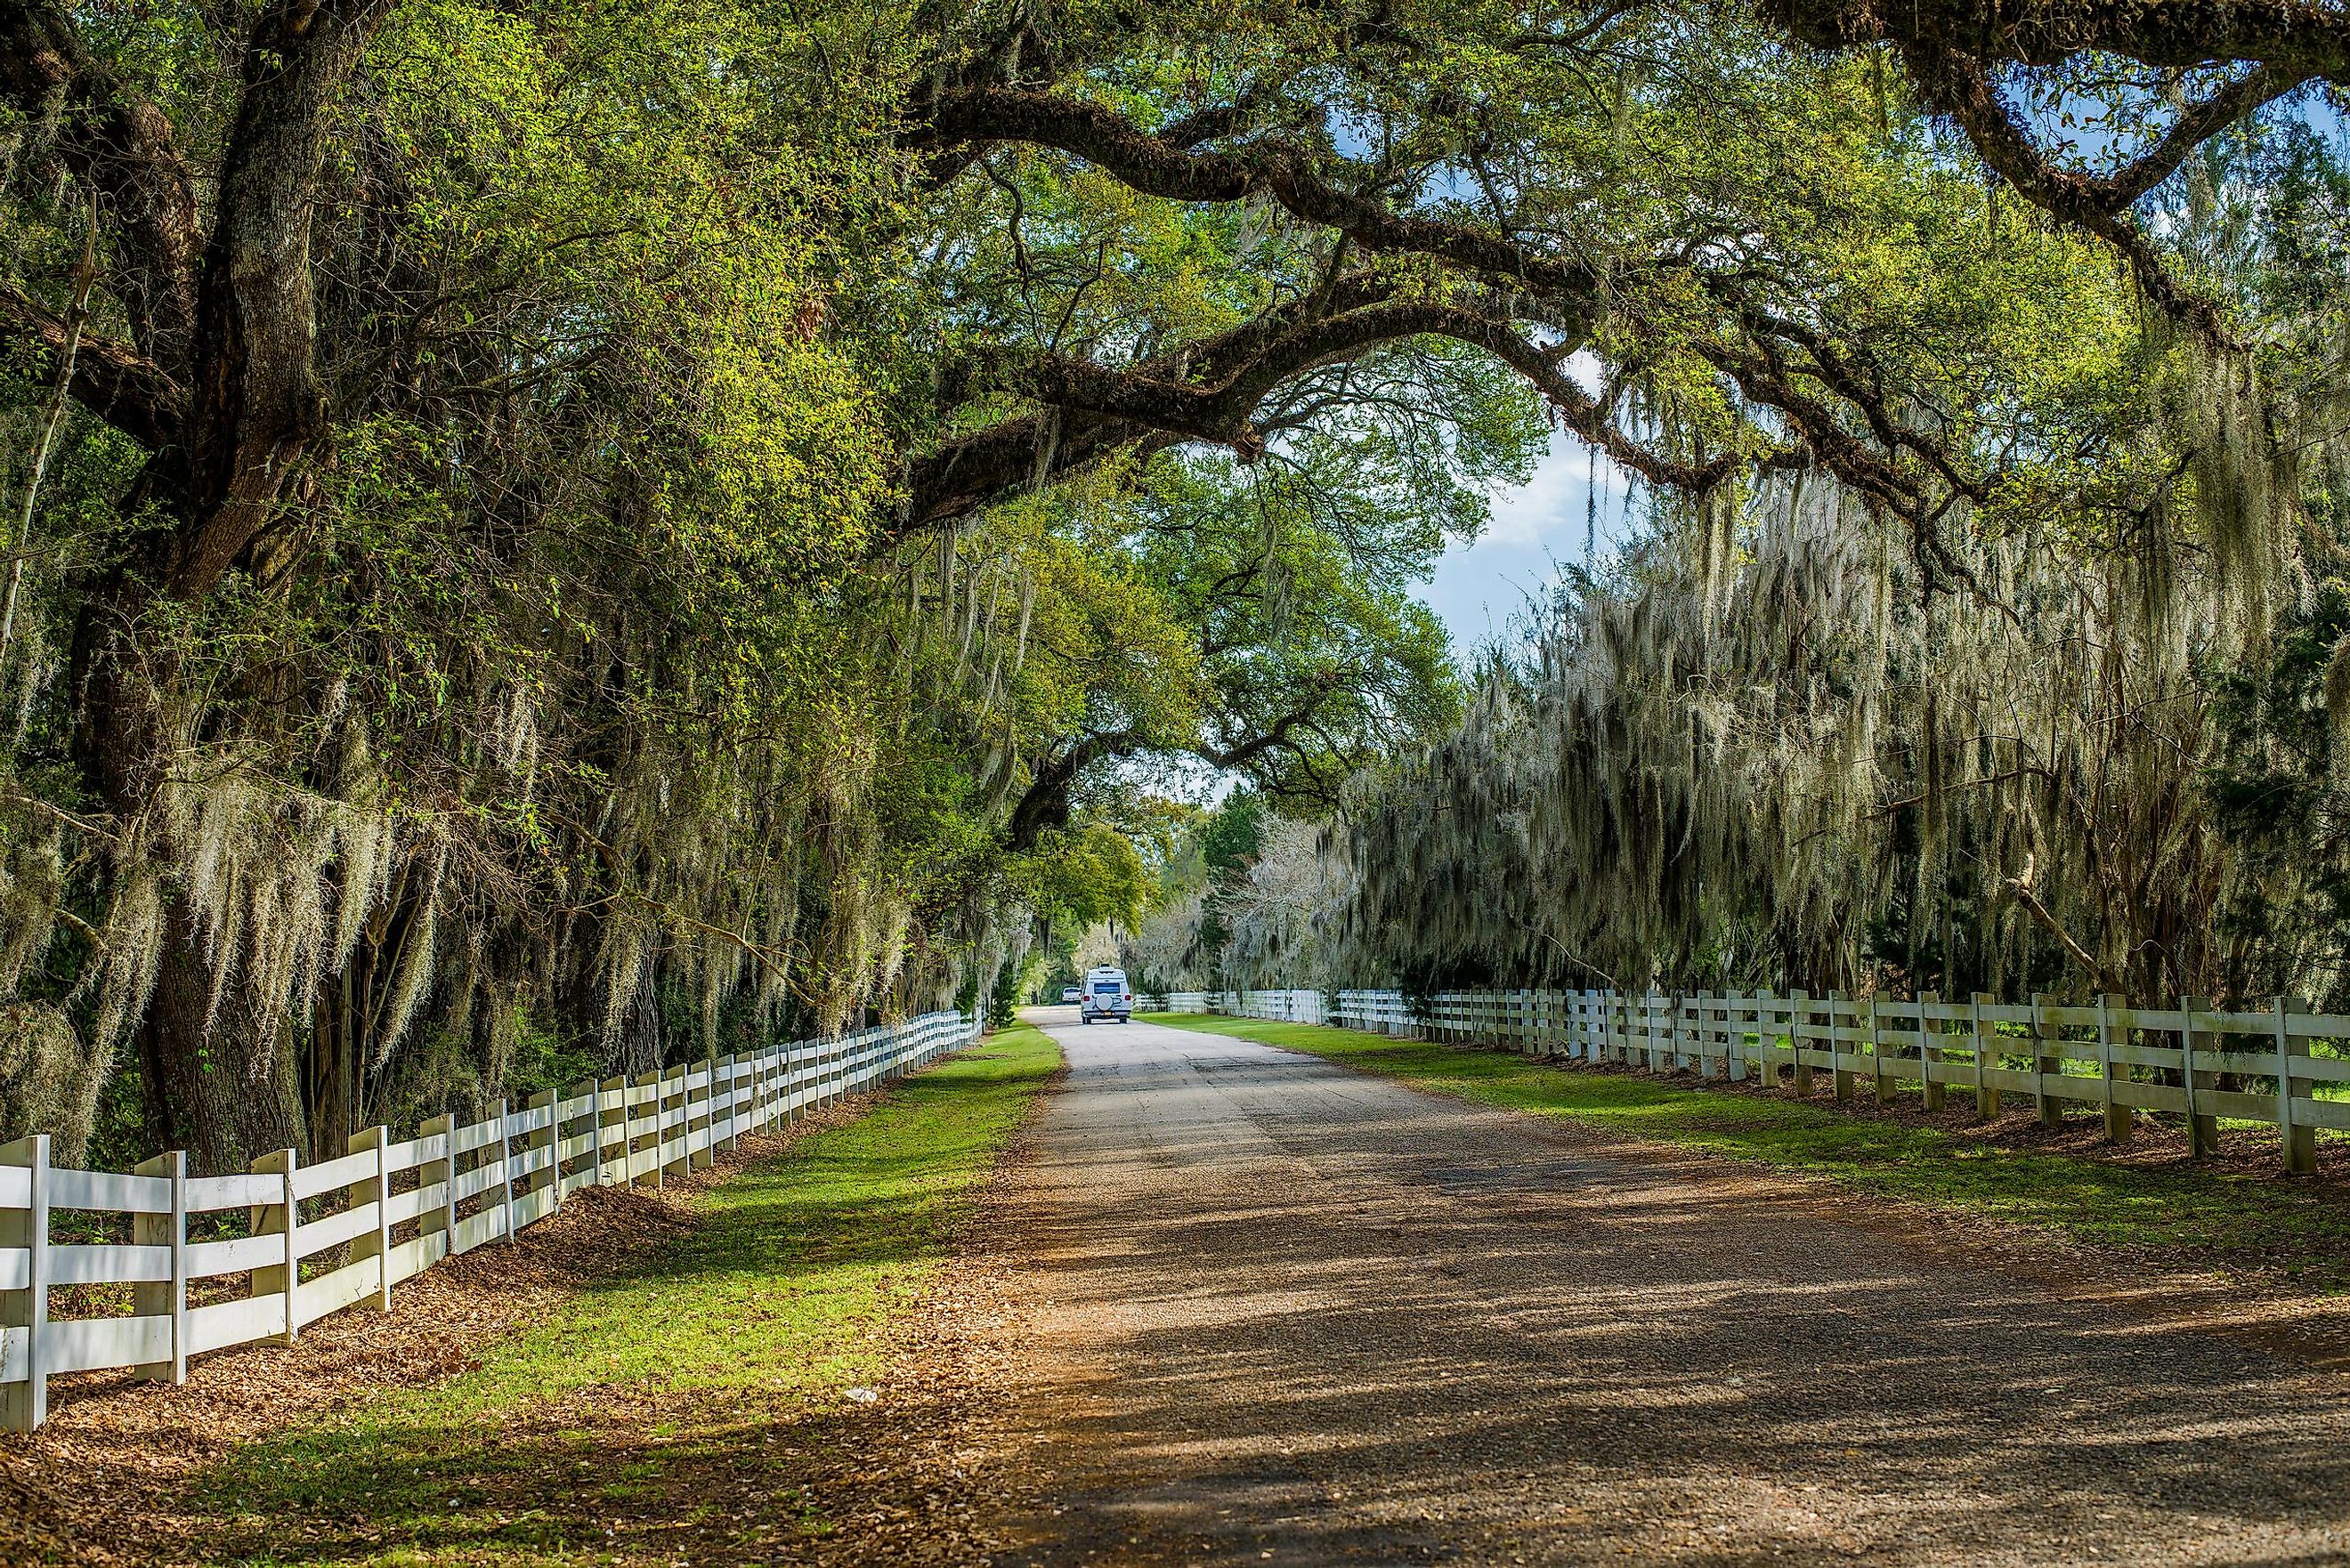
point(1552, 505)
point(1481, 588)
point(1554, 502)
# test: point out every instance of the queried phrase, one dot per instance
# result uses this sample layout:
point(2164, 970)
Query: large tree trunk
point(223, 1086)
point(332, 1086)
point(222, 386)
point(217, 1079)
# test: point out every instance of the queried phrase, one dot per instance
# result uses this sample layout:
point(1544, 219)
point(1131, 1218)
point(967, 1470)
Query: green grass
point(2202, 1216)
point(643, 1402)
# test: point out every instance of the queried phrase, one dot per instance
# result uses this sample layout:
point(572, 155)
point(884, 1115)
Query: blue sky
point(1479, 588)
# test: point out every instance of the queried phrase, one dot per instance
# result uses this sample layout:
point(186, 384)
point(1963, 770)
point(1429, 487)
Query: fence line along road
point(387, 1210)
point(2280, 1065)
point(1278, 1006)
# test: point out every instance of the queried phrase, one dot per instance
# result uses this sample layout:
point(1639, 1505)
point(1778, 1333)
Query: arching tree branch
point(1100, 410)
point(1044, 805)
point(1956, 84)
point(1156, 168)
point(2194, 126)
point(111, 379)
point(2298, 37)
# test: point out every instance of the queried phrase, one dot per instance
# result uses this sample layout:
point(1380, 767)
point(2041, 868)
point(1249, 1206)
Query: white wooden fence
point(1176, 1001)
point(321, 1237)
point(1280, 1006)
point(2280, 1065)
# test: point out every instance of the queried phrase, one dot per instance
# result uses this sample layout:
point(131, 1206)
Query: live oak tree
point(2100, 768)
point(457, 424)
point(464, 598)
point(1922, 406)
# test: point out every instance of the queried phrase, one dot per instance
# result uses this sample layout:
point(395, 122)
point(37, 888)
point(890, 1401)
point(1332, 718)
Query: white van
point(1107, 996)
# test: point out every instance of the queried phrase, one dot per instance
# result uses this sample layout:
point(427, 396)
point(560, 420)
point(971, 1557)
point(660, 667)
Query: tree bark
point(222, 386)
point(2308, 40)
point(1044, 805)
point(224, 1088)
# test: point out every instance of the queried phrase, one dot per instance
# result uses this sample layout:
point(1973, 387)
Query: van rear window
point(1105, 988)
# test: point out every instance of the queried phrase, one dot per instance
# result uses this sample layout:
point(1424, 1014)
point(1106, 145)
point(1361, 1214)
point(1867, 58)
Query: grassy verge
point(686, 1394)
point(2197, 1216)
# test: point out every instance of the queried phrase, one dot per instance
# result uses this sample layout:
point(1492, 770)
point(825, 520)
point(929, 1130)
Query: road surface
point(1284, 1313)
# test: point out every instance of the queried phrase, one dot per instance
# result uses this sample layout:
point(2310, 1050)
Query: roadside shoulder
point(534, 1399)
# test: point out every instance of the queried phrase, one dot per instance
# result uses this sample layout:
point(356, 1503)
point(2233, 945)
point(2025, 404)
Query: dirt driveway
point(1278, 1312)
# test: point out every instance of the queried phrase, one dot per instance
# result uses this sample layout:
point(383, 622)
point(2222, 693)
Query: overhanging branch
point(2305, 39)
point(1155, 167)
point(111, 379)
point(1956, 83)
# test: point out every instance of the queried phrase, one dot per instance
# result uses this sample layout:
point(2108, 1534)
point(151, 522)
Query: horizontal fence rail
point(319, 1238)
point(2280, 1064)
point(1279, 1006)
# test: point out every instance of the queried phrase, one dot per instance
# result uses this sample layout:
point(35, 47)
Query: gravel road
point(1274, 1311)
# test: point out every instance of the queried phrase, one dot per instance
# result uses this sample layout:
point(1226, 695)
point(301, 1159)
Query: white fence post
point(1799, 1018)
point(612, 1117)
point(282, 1218)
point(1929, 1056)
point(2202, 1131)
point(1735, 1009)
point(628, 1115)
point(1986, 1097)
point(2300, 1139)
point(2046, 1104)
point(1886, 1086)
point(701, 1126)
point(733, 1102)
point(377, 1188)
point(25, 1308)
point(442, 1220)
point(548, 1137)
point(166, 1298)
point(505, 1232)
point(2121, 1120)
point(596, 1131)
point(1841, 1077)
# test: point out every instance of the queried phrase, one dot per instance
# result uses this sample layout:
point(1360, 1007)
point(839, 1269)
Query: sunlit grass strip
point(2302, 1227)
point(773, 1302)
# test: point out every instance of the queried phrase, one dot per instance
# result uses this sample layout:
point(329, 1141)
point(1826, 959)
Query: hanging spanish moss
point(1779, 756)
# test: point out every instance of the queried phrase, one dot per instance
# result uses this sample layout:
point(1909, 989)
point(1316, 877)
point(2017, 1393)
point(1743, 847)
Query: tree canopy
point(542, 533)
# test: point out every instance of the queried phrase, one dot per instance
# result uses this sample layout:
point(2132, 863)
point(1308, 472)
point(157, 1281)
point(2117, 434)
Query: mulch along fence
point(319, 1237)
point(2280, 1065)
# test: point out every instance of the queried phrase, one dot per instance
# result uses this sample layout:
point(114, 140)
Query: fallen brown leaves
point(910, 1478)
point(107, 1482)
point(927, 1472)
point(651, 1476)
